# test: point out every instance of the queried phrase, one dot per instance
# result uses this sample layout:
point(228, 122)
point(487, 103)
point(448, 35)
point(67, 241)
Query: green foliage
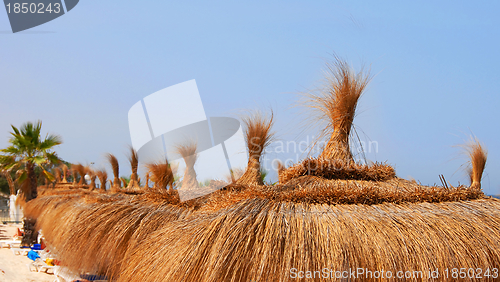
point(125, 180)
point(31, 154)
point(205, 183)
point(4, 186)
point(263, 173)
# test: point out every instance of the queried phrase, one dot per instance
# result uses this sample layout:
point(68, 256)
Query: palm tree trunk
point(12, 187)
point(30, 235)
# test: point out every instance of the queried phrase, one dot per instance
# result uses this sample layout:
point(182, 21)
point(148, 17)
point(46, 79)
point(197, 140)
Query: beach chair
point(20, 251)
point(63, 274)
point(9, 243)
point(40, 266)
point(94, 278)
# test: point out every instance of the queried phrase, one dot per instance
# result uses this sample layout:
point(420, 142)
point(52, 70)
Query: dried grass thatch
point(115, 187)
point(261, 232)
point(106, 223)
point(188, 153)
point(258, 135)
point(318, 190)
point(262, 240)
point(333, 169)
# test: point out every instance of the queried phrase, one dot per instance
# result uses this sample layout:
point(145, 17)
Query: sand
point(15, 266)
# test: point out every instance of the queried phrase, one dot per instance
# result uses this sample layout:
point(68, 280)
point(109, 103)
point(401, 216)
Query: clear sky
point(435, 67)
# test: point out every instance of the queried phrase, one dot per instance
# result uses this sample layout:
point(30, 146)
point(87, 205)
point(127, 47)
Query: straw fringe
point(332, 169)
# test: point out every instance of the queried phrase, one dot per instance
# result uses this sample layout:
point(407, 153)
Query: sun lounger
point(40, 266)
point(9, 243)
point(63, 274)
point(20, 251)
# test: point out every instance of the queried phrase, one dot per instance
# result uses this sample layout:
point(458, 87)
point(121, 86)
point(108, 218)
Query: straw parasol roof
point(326, 212)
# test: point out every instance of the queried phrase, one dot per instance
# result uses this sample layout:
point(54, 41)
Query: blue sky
point(435, 67)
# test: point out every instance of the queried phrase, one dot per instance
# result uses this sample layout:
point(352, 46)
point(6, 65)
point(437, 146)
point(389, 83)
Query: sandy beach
point(14, 266)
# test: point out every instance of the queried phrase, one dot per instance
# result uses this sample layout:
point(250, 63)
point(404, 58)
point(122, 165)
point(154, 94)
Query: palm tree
point(30, 151)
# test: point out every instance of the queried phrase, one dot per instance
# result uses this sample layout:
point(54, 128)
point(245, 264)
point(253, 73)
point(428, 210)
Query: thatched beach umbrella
point(111, 221)
point(327, 216)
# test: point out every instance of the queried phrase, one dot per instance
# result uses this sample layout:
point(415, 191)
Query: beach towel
point(32, 255)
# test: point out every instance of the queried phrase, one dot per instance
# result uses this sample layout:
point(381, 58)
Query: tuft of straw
point(93, 177)
point(115, 187)
point(57, 174)
point(74, 173)
point(161, 174)
point(134, 163)
point(258, 135)
point(146, 183)
point(64, 169)
point(78, 169)
point(335, 104)
point(103, 178)
point(188, 153)
point(478, 156)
